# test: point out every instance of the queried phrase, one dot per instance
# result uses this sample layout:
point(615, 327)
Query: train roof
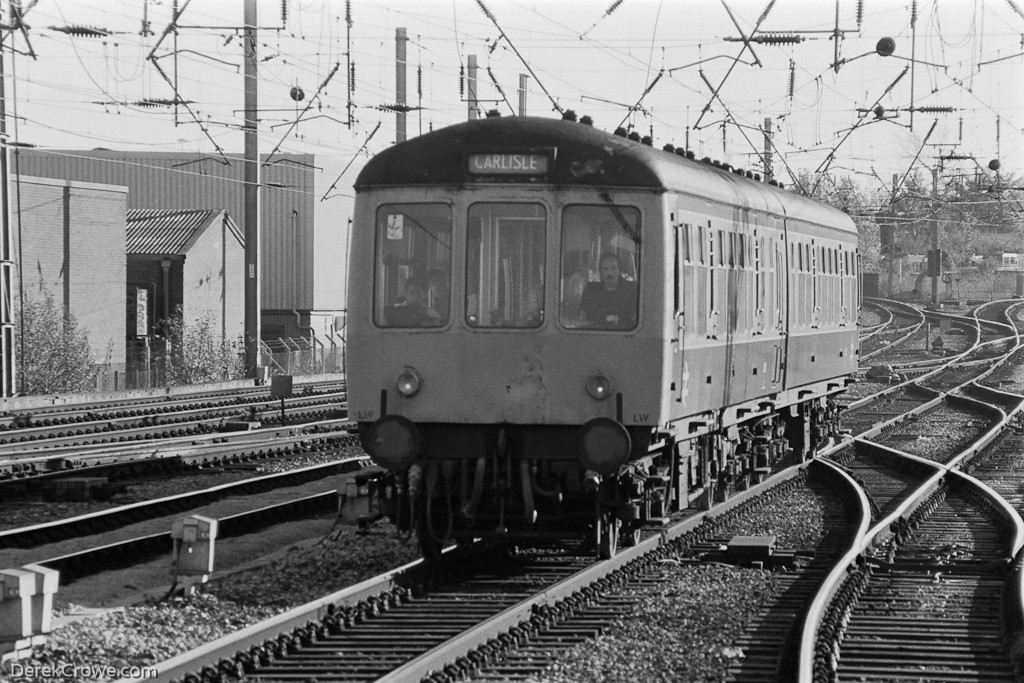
point(583, 156)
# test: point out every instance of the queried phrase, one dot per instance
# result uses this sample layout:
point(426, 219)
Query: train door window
point(412, 269)
point(505, 265)
point(600, 267)
point(701, 243)
point(687, 254)
point(721, 248)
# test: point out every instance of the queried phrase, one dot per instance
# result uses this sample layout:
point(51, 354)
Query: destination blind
point(508, 164)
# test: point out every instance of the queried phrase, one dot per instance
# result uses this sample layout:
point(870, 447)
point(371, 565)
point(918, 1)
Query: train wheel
point(629, 535)
point(429, 546)
point(608, 544)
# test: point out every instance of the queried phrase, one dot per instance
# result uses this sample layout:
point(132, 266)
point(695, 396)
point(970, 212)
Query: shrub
point(55, 357)
point(195, 353)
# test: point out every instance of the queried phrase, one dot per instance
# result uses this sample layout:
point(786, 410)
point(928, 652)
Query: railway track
point(916, 599)
point(185, 420)
point(19, 469)
point(44, 411)
point(574, 608)
point(119, 516)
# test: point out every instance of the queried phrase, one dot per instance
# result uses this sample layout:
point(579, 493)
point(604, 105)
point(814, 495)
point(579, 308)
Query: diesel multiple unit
point(555, 331)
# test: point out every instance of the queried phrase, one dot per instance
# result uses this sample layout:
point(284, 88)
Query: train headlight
point(408, 383)
point(394, 442)
point(605, 445)
point(599, 387)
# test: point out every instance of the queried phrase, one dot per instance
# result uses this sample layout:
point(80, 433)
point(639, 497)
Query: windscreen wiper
point(626, 227)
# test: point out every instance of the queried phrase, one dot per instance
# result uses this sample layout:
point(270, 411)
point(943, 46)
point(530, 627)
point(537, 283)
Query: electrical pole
point(471, 86)
point(937, 273)
point(251, 211)
point(6, 252)
point(400, 113)
point(523, 78)
point(892, 249)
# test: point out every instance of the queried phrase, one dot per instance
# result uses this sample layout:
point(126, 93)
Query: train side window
point(412, 268)
point(505, 265)
point(702, 240)
point(687, 254)
point(600, 263)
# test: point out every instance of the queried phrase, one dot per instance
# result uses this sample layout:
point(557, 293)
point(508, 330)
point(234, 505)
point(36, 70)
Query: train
point(556, 332)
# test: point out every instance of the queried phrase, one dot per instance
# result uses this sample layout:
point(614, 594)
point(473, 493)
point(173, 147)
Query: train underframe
point(509, 486)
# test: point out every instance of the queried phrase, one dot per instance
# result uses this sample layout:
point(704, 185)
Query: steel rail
point(67, 528)
point(75, 565)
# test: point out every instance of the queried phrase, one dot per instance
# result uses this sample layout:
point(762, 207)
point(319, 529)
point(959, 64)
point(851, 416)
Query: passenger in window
point(610, 303)
point(413, 311)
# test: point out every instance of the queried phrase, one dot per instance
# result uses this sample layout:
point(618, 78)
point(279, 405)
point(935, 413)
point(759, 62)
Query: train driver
point(610, 303)
point(414, 311)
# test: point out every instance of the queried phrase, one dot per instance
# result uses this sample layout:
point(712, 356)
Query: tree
point(56, 357)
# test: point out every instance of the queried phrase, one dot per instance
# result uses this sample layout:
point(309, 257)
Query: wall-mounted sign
point(141, 312)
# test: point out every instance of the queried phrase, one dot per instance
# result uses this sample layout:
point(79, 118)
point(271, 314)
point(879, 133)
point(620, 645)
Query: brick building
point(69, 242)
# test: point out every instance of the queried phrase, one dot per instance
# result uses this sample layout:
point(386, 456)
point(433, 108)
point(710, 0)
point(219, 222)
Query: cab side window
point(412, 267)
point(600, 263)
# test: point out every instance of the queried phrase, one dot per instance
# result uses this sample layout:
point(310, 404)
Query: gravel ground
point(680, 631)
point(689, 617)
point(797, 518)
point(1009, 376)
point(937, 434)
point(27, 512)
point(141, 635)
point(306, 574)
point(138, 636)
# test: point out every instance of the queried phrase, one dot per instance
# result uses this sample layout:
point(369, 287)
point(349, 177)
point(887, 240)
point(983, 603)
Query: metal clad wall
point(192, 181)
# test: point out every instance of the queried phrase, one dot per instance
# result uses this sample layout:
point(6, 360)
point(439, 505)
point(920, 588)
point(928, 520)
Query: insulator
point(348, 12)
point(777, 38)
point(419, 81)
point(792, 78)
point(82, 31)
point(933, 110)
point(860, 12)
point(615, 6)
point(462, 80)
point(352, 75)
point(284, 12)
point(913, 12)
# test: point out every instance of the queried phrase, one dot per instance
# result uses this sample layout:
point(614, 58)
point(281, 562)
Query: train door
point(785, 265)
point(680, 246)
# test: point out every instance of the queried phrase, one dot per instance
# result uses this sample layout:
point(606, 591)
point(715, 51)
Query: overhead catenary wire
point(494, 21)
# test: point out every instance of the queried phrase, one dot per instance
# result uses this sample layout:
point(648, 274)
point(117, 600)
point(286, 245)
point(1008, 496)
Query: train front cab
point(502, 406)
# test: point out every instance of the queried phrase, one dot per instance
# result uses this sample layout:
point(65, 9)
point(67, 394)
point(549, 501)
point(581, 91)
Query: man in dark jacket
point(610, 303)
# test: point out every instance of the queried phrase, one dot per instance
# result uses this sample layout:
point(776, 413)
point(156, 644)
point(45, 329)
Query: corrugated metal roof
point(169, 231)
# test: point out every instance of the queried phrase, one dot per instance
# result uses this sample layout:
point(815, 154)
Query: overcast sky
point(84, 92)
